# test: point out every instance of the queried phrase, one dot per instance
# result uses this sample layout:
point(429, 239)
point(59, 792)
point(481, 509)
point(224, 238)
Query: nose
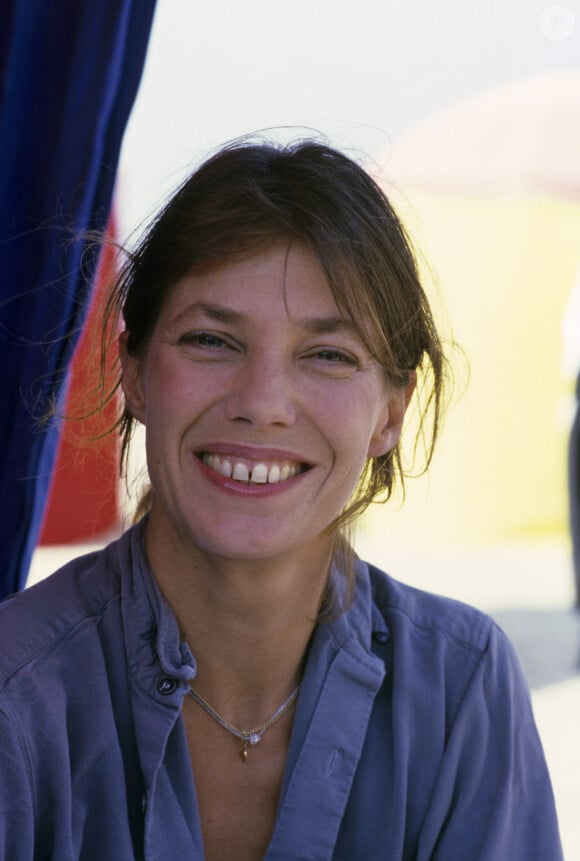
point(263, 393)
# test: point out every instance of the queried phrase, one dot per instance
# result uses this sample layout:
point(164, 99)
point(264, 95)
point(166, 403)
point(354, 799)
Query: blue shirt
point(413, 735)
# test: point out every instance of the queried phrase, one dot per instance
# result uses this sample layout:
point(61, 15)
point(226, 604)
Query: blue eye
point(202, 339)
point(335, 356)
point(206, 339)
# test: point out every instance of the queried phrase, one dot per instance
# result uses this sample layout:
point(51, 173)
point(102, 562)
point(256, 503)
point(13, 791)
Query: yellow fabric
point(504, 267)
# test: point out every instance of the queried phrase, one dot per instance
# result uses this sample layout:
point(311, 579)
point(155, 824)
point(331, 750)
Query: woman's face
point(261, 405)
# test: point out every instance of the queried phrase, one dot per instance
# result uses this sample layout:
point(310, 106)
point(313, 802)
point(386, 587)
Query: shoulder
point(452, 656)
point(406, 608)
point(34, 621)
point(444, 648)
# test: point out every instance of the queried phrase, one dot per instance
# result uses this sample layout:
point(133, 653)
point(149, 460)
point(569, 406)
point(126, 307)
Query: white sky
point(363, 72)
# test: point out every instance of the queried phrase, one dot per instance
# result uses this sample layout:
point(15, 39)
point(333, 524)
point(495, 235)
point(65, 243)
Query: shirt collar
point(152, 633)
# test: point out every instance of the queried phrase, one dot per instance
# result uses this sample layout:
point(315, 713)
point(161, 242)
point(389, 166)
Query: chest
point(237, 798)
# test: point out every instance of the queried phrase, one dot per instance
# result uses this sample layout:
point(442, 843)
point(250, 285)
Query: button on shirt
point(413, 736)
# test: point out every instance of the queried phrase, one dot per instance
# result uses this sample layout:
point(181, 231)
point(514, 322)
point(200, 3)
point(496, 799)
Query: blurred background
point(469, 116)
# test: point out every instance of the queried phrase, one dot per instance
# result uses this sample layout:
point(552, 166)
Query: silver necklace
point(248, 736)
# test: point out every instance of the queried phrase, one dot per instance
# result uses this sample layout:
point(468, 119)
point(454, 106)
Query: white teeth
point(240, 472)
point(226, 468)
point(260, 473)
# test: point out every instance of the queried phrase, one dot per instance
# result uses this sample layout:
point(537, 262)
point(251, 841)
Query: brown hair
point(249, 196)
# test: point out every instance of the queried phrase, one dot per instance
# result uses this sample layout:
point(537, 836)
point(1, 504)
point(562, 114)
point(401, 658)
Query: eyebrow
point(214, 312)
point(315, 325)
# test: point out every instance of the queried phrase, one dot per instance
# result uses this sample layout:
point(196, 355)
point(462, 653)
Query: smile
point(260, 472)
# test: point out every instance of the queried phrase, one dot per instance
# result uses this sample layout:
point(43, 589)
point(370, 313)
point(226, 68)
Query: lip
point(249, 489)
point(256, 453)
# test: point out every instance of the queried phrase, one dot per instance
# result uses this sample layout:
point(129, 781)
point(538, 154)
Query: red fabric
point(83, 501)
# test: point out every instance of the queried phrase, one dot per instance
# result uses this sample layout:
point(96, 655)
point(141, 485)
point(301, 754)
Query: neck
point(247, 622)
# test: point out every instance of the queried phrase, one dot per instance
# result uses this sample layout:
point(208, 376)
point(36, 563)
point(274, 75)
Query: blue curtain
point(69, 73)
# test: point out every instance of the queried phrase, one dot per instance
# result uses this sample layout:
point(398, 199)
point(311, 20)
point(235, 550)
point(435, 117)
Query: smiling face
point(261, 405)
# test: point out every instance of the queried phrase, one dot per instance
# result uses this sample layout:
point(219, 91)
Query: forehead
point(284, 278)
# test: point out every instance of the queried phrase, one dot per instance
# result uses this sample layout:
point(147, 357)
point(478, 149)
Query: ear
point(388, 431)
point(131, 380)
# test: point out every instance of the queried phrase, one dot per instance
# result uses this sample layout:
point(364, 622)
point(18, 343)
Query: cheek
point(358, 421)
point(169, 388)
point(350, 444)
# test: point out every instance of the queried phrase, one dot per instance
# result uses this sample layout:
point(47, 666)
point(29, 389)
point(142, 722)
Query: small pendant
point(244, 751)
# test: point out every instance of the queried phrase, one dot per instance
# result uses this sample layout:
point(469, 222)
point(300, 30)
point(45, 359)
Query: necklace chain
point(247, 736)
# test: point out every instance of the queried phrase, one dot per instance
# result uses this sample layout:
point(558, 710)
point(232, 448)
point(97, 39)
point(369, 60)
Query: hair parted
point(251, 195)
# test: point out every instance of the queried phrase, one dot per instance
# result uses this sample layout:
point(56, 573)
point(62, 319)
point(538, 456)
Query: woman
point(227, 681)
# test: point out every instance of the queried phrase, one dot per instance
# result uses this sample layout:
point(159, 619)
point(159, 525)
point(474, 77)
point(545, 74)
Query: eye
point(333, 361)
point(204, 340)
point(335, 356)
